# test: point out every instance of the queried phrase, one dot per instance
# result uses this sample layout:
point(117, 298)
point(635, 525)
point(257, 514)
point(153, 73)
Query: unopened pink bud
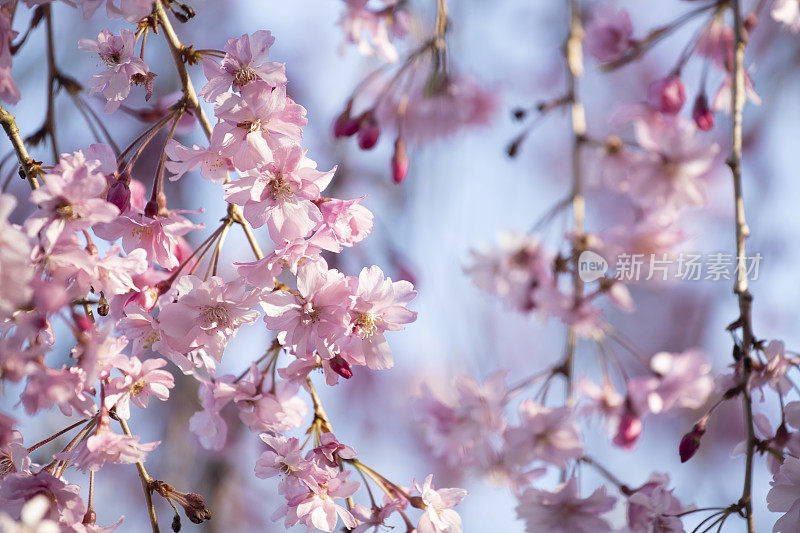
point(369, 132)
point(690, 442)
point(345, 125)
point(341, 367)
point(630, 427)
point(667, 95)
point(399, 161)
point(702, 114)
point(119, 194)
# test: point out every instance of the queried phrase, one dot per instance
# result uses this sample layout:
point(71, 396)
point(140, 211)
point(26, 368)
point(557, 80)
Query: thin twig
point(146, 483)
point(29, 166)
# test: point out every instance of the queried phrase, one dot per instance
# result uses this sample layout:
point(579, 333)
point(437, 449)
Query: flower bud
point(702, 114)
point(196, 509)
point(151, 209)
point(630, 427)
point(176, 523)
point(399, 161)
point(345, 125)
point(667, 95)
point(90, 518)
point(690, 442)
point(341, 367)
point(119, 194)
point(368, 132)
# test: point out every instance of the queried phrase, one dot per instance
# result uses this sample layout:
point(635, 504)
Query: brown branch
point(740, 288)
point(29, 167)
point(146, 483)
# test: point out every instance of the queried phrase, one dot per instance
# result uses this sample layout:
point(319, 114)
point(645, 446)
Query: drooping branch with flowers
point(118, 293)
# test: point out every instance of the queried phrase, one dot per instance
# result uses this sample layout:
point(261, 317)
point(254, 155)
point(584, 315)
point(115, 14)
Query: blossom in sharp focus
point(124, 67)
point(564, 511)
point(438, 515)
point(208, 313)
point(244, 63)
point(138, 382)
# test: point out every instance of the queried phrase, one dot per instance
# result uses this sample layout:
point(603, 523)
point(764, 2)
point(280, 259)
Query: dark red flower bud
point(368, 132)
point(341, 367)
point(119, 194)
point(702, 114)
point(690, 442)
point(196, 509)
point(345, 125)
point(399, 161)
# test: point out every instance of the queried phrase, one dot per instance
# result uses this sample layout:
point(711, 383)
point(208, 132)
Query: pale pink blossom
point(773, 372)
point(371, 30)
point(438, 515)
point(652, 508)
point(281, 194)
point(138, 382)
point(244, 64)
point(47, 387)
point(32, 518)
point(280, 410)
point(316, 508)
point(156, 236)
point(784, 496)
point(667, 95)
point(679, 380)
point(207, 313)
point(344, 223)
point(313, 318)
point(544, 434)
point(70, 199)
point(609, 33)
point(130, 10)
point(16, 271)
point(284, 457)
point(379, 305)
point(66, 505)
point(564, 511)
point(123, 67)
point(254, 123)
point(212, 165)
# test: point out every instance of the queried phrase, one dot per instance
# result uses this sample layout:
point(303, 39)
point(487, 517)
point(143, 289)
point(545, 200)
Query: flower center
point(137, 387)
point(366, 325)
point(243, 76)
point(214, 316)
point(251, 126)
point(280, 189)
point(64, 210)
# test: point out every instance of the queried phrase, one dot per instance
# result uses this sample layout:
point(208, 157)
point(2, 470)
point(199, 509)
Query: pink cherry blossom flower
point(156, 236)
point(672, 175)
point(32, 518)
point(124, 67)
point(66, 507)
point(608, 34)
point(544, 434)
point(681, 380)
point(464, 431)
point(70, 199)
point(207, 313)
point(254, 123)
point(212, 165)
point(344, 223)
point(438, 515)
point(773, 373)
point(16, 271)
point(513, 269)
point(243, 64)
point(114, 274)
point(47, 387)
point(9, 91)
point(329, 450)
point(379, 305)
point(281, 410)
point(130, 10)
point(784, 496)
point(371, 30)
point(105, 446)
point(96, 351)
point(653, 508)
point(281, 194)
point(292, 255)
point(316, 508)
point(456, 103)
point(285, 458)
point(140, 380)
point(716, 43)
point(564, 511)
point(314, 317)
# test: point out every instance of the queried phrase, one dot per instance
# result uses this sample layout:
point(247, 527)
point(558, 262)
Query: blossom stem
point(146, 482)
point(56, 435)
point(607, 474)
point(745, 298)
point(28, 165)
point(158, 195)
point(320, 417)
point(52, 75)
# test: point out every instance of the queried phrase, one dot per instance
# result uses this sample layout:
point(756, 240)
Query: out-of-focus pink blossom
point(608, 34)
point(564, 511)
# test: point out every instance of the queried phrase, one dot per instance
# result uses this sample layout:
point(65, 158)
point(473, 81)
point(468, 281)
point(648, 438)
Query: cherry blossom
point(784, 496)
point(243, 64)
point(140, 380)
point(653, 508)
point(608, 34)
point(564, 511)
point(118, 54)
point(544, 434)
